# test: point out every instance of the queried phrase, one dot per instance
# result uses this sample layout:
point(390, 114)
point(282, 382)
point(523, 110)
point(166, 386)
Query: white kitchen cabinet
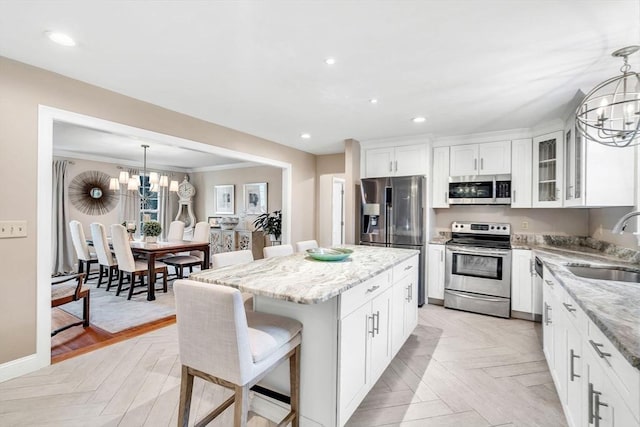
point(440, 178)
point(596, 175)
point(521, 150)
point(402, 160)
point(379, 335)
point(491, 158)
point(548, 317)
point(404, 308)
point(575, 374)
point(522, 281)
point(435, 272)
point(548, 173)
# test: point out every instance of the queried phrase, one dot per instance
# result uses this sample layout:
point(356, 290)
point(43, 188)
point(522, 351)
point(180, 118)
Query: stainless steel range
point(478, 268)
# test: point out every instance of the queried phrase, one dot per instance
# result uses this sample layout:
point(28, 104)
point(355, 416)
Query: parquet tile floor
point(456, 369)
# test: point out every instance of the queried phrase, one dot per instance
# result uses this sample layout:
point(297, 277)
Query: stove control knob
point(504, 228)
point(492, 227)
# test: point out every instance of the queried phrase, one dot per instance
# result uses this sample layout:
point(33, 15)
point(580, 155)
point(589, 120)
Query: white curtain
point(130, 205)
point(61, 246)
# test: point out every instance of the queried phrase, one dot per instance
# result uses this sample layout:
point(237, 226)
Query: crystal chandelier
point(610, 113)
point(133, 182)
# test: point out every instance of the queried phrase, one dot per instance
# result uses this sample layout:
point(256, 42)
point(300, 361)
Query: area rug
point(115, 314)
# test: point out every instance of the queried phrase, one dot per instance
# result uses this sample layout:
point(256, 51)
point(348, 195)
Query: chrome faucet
point(622, 222)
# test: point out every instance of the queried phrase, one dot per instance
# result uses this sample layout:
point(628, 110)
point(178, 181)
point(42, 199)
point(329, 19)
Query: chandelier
point(144, 187)
point(610, 113)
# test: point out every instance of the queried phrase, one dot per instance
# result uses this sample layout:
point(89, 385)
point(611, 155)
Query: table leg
point(151, 272)
point(206, 262)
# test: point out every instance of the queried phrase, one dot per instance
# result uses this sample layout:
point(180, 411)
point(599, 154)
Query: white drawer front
point(405, 268)
point(364, 292)
point(623, 376)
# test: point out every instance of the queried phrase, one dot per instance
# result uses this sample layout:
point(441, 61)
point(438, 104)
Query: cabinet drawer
point(624, 377)
point(364, 292)
point(575, 314)
point(405, 268)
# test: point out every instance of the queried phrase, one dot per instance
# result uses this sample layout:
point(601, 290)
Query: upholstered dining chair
point(278, 250)
point(127, 264)
point(238, 349)
point(193, 258)
point(85, 256)
point(64, 291)
point(306, 244)
point(176, 231)
point(106, 260)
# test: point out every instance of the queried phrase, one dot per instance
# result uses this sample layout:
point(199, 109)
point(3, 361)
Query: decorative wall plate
point(89, 193)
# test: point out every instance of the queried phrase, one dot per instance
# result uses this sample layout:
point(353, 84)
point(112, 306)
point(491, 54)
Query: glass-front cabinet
point(548, 163)
point(573, 166)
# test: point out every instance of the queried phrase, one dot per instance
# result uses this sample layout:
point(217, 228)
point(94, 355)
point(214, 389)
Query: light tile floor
point(456, 369)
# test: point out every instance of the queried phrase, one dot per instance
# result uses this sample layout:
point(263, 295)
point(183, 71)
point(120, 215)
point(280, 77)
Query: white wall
point(602, 220)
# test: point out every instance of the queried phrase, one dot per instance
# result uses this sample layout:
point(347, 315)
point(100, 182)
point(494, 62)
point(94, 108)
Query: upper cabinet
point(548, 151)
point(491, 158)
point(402, 160)
point(596, 175)
point(521, 173)
point(440, 178)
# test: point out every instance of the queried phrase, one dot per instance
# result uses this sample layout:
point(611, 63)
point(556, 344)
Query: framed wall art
point(255, 198)
point(223, 201)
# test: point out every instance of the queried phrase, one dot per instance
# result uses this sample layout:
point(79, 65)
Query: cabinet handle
point(572, 357)
point(481, 163)
point(376, 328)
point(569, 307)
point(390, 166)
point(396, 163)
point(596, 346)
point(408, 267)
point(549, 282)
point(373, 288)
point(513, 193)
point(547, 307)
point(372, 331)
point(408, 298)
point(594, 406)
point(475, 164)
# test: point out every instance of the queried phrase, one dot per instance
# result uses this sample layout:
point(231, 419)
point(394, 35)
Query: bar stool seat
point(221, 343)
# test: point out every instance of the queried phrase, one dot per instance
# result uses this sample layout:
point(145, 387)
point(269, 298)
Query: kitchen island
point(356, 314)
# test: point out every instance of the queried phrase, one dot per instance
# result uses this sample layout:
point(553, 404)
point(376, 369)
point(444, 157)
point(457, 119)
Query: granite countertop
point(613, 306)
point(301, 279)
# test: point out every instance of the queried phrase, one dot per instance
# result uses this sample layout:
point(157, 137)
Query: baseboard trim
point(526, 316)
point(21, 366)
point(435, 301)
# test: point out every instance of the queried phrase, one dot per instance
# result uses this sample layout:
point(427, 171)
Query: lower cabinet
point(404, 303)
point(435, 272)
point(596, 386)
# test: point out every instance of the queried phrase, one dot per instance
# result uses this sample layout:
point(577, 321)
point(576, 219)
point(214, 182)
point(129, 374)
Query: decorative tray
point(333, 254)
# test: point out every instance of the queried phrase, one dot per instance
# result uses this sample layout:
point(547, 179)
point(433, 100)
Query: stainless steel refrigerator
point(392, 215)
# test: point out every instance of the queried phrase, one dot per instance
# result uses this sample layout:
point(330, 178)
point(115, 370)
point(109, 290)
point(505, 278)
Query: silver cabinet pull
point(446, 196)
point(549, 282)
point(372, 331)
point(396, 162)
point(569, 307)
point(594, 406)
point(373, 288)
point(376, 327)
point(475, 164)
point(390, 166)
point(572, 357)
point(481, 163)
point(408, 267)
point(596, 346)
point(547, 307)
point(408, 298)
point(513, 193)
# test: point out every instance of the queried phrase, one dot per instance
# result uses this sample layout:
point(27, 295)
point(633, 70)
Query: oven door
point(485, 271)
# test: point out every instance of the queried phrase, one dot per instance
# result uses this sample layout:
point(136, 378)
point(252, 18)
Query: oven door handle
point(482, 252)
point(473, 297)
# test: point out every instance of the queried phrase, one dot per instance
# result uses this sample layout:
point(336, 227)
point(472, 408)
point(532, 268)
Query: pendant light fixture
point(610, 113)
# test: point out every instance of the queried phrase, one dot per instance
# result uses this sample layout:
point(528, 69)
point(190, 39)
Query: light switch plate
point(11, 229)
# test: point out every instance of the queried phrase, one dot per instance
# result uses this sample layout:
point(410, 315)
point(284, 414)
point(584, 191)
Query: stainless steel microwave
point(480, 190)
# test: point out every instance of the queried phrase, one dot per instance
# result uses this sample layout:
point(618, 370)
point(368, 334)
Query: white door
point(440, 180)
point(521, 151)
point(435, 272)
point(494, 158)
point(378, 162)
point(464, 160)
point(548, 170)
point(337, 212)
point(410, 160)
point(521, 281)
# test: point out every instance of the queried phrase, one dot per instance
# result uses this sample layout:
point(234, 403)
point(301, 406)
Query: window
point(148, 205)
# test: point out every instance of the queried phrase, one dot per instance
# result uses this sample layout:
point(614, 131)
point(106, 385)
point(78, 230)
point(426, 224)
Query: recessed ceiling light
point(373, 100)
point(61, 38)
point(418, 119)
point(330, 61)
point(305, 135)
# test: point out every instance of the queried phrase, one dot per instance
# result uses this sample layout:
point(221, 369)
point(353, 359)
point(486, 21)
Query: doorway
point(337, 211)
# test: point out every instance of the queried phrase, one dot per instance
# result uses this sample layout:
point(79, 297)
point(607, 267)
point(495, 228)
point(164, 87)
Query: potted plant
point(270, 224)
point(151, 230)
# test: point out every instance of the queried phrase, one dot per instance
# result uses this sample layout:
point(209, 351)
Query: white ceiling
point(258, 67)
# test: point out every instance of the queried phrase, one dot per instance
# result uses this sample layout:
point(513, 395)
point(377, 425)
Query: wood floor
point(457, 369)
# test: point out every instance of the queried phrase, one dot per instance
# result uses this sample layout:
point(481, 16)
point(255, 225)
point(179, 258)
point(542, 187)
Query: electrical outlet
point(524, 225)
point(10, 229)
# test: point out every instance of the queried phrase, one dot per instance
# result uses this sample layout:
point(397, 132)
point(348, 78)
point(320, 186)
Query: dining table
point(151, 251)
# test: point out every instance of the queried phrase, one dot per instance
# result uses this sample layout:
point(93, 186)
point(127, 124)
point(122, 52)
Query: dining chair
point(193, 258)
point(64, 291)
point(85, 256)
point(127, 264)
point(238, 349)
point(176, 231)
point(306, 244)
point(278, 250)
point(106, 260)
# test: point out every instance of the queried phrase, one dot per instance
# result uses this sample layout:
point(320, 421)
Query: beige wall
point(570, 222)
point(351, 196)
point(22, 89)
point(602, 220)
point(205, 181)
point(327, 167)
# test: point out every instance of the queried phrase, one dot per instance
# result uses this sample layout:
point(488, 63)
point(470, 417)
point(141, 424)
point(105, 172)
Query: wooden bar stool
point(221, 343)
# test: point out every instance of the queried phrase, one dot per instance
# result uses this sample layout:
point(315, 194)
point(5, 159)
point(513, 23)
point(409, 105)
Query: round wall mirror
point(88, 192)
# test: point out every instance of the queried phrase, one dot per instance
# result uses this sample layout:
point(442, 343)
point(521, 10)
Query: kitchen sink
point(620, 274)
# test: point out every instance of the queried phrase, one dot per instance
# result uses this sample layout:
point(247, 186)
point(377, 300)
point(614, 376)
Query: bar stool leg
point(186, 390)
point(294, 386)
point(241, 410)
